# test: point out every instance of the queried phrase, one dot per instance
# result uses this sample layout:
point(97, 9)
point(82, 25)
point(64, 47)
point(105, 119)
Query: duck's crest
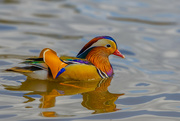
point(92, 42)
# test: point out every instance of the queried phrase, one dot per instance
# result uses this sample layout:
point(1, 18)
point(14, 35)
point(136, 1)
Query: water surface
point(145, 86)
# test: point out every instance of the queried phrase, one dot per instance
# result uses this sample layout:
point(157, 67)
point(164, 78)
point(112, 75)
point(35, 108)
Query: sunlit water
point(145, 86)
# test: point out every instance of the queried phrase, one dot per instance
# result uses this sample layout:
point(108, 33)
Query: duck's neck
point(99, 57)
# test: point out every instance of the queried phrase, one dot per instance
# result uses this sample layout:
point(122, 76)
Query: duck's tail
point(26, 69)
point(47, 59)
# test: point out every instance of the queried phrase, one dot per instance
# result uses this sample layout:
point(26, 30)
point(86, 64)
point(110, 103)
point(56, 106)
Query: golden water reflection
point(95, 94)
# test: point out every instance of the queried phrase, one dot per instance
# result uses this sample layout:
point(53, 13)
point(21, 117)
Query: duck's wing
point(49, 61)
point(39, 62)
point(53, 62)
point(73, 60)
point(58, 65)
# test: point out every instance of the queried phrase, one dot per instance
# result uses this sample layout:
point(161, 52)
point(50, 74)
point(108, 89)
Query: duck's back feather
point(74, 60)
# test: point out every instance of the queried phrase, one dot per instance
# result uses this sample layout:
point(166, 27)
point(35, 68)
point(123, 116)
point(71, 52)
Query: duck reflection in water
point(95, 93)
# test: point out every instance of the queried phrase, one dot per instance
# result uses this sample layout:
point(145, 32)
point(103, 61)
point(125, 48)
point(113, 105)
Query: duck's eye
point(108, 45)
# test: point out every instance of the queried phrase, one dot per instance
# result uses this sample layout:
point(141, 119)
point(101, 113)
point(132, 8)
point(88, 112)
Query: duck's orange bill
point(117, 53)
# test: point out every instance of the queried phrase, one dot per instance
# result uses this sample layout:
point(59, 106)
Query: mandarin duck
point(91, 63)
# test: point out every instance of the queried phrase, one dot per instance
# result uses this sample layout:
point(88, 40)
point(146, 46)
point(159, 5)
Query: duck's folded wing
point(53, 62)
point(74, 60)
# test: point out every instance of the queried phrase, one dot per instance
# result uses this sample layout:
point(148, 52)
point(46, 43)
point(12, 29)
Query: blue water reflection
point(149, 39)
point(138, 91)
point(158, 72)
point(145, 99)
point(142, 84)
point(127, 114)
point(7, 28)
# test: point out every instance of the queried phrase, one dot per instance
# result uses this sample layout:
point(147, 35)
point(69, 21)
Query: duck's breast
point(80, 72)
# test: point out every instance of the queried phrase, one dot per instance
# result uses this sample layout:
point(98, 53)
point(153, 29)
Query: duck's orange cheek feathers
point(110, 50)
point(80, 72)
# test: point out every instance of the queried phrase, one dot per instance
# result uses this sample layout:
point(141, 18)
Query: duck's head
point(106, 42)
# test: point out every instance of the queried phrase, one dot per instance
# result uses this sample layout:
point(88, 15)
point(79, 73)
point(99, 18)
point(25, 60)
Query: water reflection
point(95, 94)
